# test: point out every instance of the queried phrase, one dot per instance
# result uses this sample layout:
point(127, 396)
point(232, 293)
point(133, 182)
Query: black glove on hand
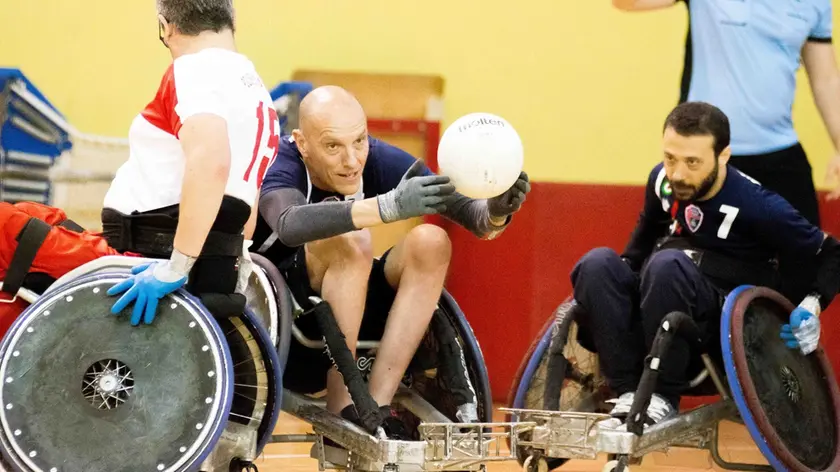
point(511, 201)
point(415, 195)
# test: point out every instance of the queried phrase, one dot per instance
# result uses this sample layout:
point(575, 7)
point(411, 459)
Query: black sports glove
point(511, 201)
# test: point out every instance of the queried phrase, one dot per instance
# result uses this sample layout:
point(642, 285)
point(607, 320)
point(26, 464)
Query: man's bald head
point(329, 106)
point(332, 138)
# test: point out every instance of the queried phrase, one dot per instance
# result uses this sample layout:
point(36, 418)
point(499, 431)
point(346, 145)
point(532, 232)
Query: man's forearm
point(202, 192)
point(827, 97)
point(643, 240)
point(296, 222)
point(204, 139)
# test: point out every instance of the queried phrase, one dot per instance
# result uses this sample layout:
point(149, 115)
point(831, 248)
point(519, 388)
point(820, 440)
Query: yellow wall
point(561, 71)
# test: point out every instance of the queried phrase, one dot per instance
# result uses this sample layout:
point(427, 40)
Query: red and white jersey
point(215, 81)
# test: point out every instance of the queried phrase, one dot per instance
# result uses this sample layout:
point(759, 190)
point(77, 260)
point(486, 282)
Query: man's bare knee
point(427, 247)
point(355, 247)
point(348, 250)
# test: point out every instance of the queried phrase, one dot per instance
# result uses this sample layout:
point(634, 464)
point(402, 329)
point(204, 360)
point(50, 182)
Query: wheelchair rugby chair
point(444, 398)
point(84, 390)
point(789, 403)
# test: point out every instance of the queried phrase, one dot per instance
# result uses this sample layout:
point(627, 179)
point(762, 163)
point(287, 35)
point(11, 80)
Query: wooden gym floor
point(735, 446)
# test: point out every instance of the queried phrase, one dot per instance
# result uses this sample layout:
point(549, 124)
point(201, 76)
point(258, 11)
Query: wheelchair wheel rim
point(532, 364)
point(745, 396)
point(27, 448)
point(275, 380)
point(263, 304)
point(282, 312)
point(433, 389)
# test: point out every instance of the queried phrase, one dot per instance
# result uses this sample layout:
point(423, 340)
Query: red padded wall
point(508, 287)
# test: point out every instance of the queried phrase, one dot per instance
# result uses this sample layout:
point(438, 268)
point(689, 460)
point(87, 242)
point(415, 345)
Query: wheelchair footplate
point(442, 446)
point(579, 435)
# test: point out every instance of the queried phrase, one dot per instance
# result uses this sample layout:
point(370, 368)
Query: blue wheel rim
point(472, 353)
point(275, 373)
point(226, 397)
point(732, 378)
point(531, 368)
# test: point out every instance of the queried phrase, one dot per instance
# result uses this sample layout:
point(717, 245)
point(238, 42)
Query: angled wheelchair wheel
point(574, 384)
point(446, 380)
point(790, 403)
point(82, 389)
point(273, 306)
point(257, 385)
point(448, 371)
point(261, 298)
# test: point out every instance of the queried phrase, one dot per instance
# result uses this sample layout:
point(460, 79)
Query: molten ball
point(482, 154)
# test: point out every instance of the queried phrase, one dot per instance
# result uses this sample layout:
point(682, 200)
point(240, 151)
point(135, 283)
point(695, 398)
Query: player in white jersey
point(198, 153)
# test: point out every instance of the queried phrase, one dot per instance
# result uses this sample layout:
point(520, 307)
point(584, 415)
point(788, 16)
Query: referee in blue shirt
point(742, 56)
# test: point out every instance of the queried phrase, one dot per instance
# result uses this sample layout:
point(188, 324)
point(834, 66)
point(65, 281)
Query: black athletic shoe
point(394, 427)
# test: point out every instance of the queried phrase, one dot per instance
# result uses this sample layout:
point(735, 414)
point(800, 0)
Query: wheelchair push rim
point(274, 373)
point(278, 303)
point(261, 294)
point(532, 363)
point(741, 328)
point(83, 389)
point(435, 390)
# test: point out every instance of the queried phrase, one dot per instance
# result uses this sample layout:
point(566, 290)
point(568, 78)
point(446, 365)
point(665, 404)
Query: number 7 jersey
point(212, 81)
point(743, 220)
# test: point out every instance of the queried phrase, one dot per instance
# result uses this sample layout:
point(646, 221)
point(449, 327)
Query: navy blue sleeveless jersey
point(743, 221)
point(384, 168)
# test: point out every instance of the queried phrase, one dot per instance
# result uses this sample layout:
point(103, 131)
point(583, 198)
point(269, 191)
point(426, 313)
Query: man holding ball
point(330, 182)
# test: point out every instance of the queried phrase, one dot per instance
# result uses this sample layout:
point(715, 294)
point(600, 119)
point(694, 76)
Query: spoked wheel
point(270, 300)
point(448, 371)
point(257, 383)
point(580, 386)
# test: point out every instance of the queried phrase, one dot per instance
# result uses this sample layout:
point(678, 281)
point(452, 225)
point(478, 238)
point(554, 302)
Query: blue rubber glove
point(803, 332)
point(150, 282)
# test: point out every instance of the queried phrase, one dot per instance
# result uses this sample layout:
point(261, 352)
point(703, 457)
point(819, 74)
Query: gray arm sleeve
point(296, 222)
point(471, 214)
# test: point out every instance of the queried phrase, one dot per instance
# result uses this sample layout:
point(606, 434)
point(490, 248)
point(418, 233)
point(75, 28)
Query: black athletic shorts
point(306, 369)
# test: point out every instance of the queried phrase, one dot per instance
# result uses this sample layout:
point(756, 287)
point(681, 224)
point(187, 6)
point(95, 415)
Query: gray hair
point(192, 17)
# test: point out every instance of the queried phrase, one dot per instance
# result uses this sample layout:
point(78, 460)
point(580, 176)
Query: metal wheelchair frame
point(451, 446)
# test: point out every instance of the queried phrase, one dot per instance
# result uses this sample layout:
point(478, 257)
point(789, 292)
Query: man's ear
point(300, 141)
point(168, 29)
point(725, 155)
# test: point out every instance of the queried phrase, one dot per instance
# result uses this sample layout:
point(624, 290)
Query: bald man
point(329, 183)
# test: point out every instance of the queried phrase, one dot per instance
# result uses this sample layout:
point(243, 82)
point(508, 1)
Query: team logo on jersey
point(693, 218)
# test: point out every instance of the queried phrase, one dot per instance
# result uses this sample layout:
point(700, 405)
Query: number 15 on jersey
point(265, 152)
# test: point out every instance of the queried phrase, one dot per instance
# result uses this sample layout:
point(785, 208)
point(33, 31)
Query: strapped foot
point(658, 410)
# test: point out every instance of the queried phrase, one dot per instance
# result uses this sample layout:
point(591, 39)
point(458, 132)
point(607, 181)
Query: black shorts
point(307, 368)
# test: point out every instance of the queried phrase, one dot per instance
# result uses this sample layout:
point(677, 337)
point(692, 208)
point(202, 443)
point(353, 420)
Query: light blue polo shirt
point(742, 56)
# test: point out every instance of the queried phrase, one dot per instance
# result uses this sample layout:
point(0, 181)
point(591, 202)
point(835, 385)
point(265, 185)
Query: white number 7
point(731, 212)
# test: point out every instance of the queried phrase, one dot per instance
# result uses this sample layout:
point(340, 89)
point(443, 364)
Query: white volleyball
point(482, 154)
